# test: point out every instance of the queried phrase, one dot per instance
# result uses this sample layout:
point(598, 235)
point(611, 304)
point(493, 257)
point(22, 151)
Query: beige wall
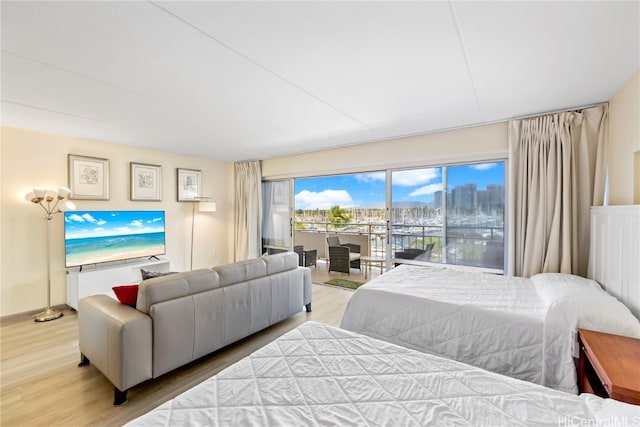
point(29, 159)
point(624, 143)
point(462, 145)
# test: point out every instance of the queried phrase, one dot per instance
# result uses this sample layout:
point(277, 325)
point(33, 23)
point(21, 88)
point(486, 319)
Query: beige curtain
point(557, 167)
point(248, 209)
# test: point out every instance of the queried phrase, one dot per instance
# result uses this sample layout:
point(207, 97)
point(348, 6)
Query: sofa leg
point(119, 397)
point(84, 361)
point(308, 307)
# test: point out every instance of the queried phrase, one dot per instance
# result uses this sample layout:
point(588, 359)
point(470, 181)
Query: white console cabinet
point(100, 279)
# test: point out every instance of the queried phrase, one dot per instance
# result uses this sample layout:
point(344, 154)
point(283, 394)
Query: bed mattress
point(319, 375)
point(491, 321)
point(510, 325)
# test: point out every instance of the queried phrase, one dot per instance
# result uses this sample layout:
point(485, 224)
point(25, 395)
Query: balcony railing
point(478, 246)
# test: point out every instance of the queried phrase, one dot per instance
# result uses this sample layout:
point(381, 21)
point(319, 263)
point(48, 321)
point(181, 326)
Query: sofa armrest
point(117, 339)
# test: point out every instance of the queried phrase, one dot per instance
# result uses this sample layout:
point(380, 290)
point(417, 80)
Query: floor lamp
point(52, 203)
point(204, 205)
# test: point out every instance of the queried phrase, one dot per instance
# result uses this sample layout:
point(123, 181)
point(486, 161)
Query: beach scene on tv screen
point(93, 237)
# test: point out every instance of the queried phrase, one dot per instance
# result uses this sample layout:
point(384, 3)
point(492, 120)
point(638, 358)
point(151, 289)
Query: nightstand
point(609, 366)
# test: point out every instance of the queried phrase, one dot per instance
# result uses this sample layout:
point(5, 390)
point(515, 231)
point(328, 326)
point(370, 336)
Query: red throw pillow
point(127, 294)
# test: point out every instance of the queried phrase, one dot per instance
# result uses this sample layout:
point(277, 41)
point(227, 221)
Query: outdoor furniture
point(369, 260)
point(306, 258)
point(341, 258)
point(353, 248)
point(415, 254)
point(299, 249)
point(311, 258)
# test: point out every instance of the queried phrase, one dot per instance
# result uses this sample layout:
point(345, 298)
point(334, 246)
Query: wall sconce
point(204, 205)
point(51, 201)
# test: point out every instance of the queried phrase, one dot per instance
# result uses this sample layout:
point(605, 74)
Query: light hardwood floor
point(41, 385)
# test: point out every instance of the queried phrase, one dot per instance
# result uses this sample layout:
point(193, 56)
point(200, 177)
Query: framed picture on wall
point(189, 185)
point(146, 182)
point(88, 177)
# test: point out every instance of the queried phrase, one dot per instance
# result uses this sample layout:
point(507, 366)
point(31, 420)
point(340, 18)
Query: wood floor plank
point(41, 385)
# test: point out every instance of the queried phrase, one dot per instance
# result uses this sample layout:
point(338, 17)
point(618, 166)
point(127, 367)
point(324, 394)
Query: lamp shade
point(207, 207)
point(40, 192)
point(63, 192)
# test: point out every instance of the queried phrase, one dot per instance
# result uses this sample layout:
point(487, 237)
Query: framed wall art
point(88, 177)
point(189, 185)
point(146, 182)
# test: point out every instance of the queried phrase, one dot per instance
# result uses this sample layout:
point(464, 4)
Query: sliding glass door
point(417, 215)
point(276, 216)
point(449, 214)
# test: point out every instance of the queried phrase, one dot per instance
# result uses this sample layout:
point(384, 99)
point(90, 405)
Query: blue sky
point(79, 224)
point(368, 190)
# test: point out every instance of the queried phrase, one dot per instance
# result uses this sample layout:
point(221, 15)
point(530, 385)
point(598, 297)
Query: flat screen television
point(92, 237)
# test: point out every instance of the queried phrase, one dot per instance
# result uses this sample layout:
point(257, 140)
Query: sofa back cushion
point(280, 262)
point(177, 285)
point(241, 271)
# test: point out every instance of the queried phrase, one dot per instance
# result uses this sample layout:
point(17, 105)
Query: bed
point(509, 325)
point(320, 375)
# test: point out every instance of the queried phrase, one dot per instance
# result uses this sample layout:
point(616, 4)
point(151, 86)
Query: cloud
point(426, 190)
point(137, 223)
point(123, 229)
point(483, 166)
point(323, 200)
point(86, 217)
point(371, 177)
point(75, 218)
point(155, 220)
point(413, 177)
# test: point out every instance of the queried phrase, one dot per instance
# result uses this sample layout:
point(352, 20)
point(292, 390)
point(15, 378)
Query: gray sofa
point(181, 317)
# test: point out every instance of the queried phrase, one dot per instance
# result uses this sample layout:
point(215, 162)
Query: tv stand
point(154, 257)
point(100, 278)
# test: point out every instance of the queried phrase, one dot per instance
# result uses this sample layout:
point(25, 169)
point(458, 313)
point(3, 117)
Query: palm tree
point(337, 215)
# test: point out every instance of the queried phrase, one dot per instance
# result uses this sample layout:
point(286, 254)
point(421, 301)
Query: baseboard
point(29, 314)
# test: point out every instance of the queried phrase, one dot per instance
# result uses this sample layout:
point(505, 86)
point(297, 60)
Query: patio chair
point(354, 252)
point(339, 259)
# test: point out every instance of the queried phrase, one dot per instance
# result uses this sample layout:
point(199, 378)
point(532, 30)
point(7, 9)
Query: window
point(463, 224)
point(475, 215)
point(444, 214)
point(416, 214)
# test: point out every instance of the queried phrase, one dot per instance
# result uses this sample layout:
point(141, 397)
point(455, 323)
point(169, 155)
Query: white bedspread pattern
point(489, 321)
point(319, 375)
point(510, 325)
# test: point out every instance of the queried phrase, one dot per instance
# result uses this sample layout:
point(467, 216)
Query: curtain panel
point(557, 171)
point(248, 208)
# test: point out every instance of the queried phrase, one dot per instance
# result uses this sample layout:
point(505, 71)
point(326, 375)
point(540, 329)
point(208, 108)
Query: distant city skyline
point(368, 190)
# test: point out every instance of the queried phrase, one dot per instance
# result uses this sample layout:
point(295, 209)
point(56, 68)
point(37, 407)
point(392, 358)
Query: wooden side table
point(609, 366)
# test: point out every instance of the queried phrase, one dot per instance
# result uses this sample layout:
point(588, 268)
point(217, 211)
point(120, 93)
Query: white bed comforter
point(319, 375)
point(510, 325)
point(489, 321)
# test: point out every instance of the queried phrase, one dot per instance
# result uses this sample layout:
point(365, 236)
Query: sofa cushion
point(241, 271)
point(177, 285)
point(283, 261)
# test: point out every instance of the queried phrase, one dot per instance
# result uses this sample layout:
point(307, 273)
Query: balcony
point(466, 245)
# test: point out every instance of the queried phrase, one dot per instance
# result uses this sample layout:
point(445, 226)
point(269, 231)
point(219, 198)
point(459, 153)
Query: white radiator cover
point(614, 257)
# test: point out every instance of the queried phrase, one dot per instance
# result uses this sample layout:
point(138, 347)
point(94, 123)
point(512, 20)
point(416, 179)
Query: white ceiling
point(252, 80)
